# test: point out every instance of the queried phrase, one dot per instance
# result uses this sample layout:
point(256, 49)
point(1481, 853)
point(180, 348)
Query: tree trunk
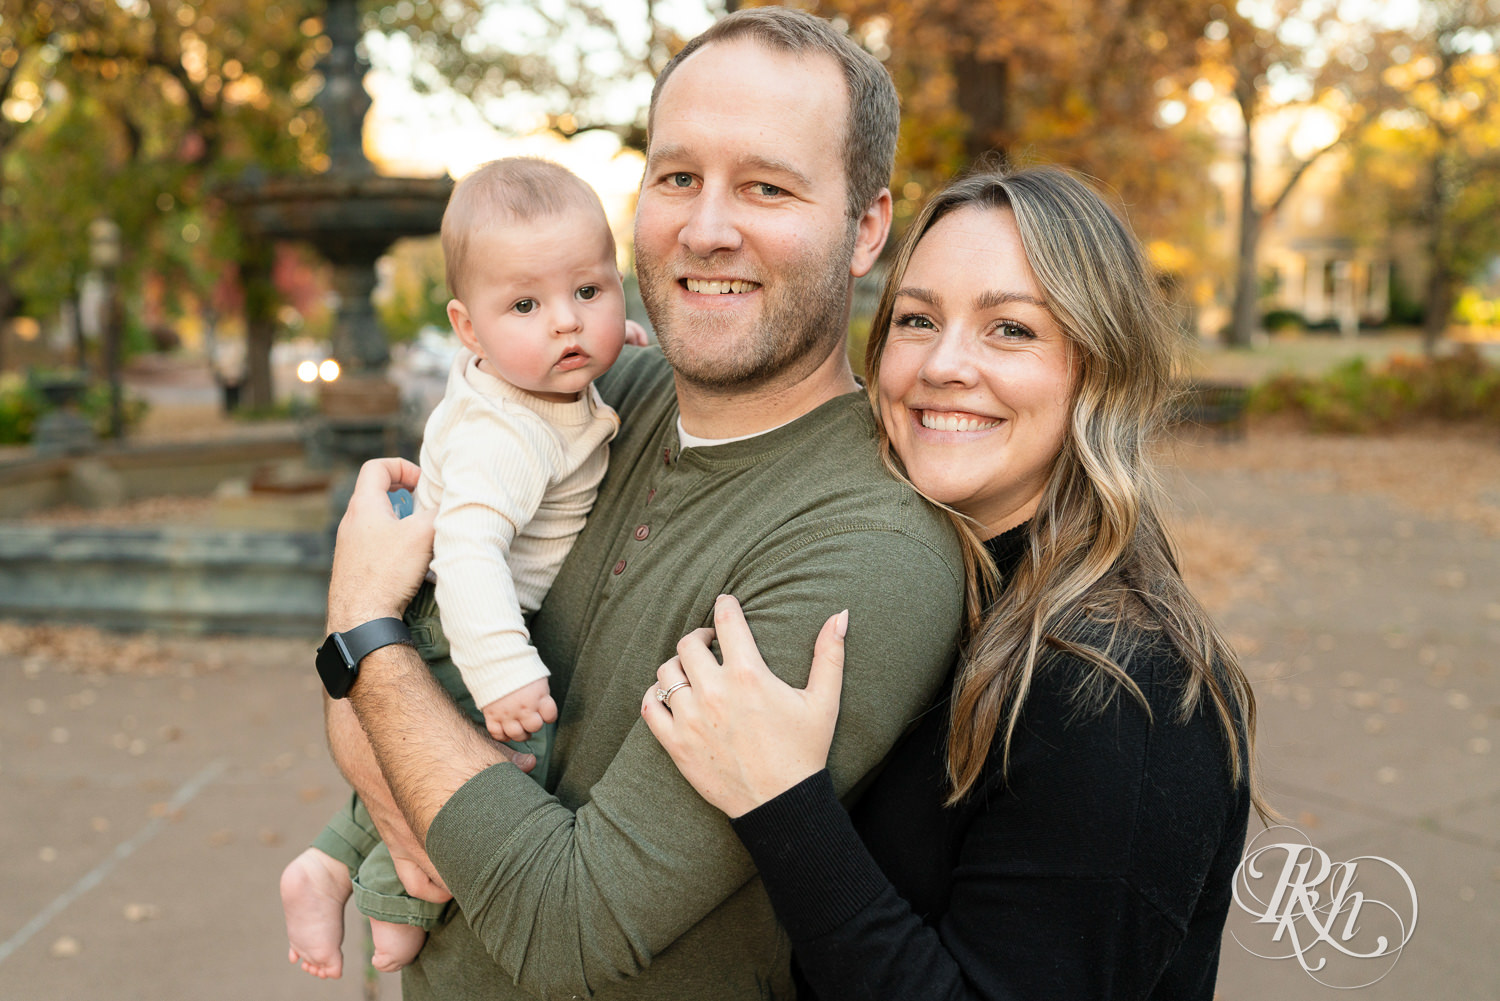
point(1437, 305)
point(1438, 301)
point(74, 313)
point(984, 98)
point(7, 305)
point(6, 294)
point(258, 392)
point(1247, 284)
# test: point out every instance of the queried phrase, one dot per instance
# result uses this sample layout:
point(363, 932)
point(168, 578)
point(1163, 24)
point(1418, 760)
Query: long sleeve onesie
point(513, 478)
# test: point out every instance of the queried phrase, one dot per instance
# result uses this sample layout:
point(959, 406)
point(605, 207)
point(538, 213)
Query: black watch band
point(340, 654)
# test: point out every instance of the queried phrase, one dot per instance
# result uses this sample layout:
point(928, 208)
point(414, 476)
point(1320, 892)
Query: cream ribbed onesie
point(513, 477)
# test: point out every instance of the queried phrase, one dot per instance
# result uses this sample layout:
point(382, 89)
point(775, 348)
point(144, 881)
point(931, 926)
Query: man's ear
point(870, 234)
point(463, 326)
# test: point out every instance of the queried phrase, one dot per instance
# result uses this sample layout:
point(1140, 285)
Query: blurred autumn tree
point(138, 111)
point(1076, 82)
point(25, 96)
point(574, 66)
point(143, 109)
point(1291, 58)
point(1433, 163)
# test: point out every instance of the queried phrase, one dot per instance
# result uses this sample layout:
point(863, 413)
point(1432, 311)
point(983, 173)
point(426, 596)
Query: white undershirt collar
point(693, 441)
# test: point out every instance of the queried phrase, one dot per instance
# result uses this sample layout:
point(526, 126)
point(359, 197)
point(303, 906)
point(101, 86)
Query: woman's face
point(976, 379)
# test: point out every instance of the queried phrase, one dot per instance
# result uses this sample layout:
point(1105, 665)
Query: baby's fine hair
point(512, 190)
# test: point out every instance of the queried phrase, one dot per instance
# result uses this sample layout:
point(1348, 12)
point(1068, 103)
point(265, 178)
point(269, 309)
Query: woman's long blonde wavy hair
point(1098, 552)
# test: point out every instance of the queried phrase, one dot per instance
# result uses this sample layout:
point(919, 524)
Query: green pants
point(350, 835)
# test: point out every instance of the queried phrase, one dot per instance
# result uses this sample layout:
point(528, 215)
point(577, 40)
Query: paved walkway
point(1372, 631)
point(150, 791)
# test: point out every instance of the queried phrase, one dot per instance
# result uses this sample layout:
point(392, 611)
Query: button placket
point(643, 530)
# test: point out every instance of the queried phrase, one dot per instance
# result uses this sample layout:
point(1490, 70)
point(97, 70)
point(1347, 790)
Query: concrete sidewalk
point(146, 817)
point(1371, 629)
point(150, 794)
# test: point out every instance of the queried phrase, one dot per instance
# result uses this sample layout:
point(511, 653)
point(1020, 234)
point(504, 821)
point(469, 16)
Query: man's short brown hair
point(516, 189)
point(874, 116)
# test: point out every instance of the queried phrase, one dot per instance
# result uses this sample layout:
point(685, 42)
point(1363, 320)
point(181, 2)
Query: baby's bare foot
point(395, 944)
point(314, 887)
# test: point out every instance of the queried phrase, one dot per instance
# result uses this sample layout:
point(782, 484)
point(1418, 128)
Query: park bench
point(1218, 406)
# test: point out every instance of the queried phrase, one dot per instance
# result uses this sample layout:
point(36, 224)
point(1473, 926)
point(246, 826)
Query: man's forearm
point(424, 746)
point(356, 760)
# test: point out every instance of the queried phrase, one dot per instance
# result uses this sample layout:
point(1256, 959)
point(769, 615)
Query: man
point(748, 467)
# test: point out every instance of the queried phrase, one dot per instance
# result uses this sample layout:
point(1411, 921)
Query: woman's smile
point(976, 381)
point(955, 420)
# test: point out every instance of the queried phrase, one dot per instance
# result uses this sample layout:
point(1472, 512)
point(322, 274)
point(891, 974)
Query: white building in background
point(1311, 261)
point(1328, 280)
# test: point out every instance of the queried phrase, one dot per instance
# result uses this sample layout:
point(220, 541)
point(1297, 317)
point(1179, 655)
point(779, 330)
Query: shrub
point(22, 405)
point(1406, 311)
point(1356, 397)
point(1473, 309)
point(1277, 320)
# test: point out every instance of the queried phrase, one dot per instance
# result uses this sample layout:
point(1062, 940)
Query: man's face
point(742, 239)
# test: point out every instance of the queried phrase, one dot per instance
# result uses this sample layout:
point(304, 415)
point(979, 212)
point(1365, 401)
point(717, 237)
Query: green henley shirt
point(619, 881)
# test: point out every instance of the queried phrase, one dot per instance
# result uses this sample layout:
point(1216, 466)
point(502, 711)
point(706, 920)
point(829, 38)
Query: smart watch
point(340, 654)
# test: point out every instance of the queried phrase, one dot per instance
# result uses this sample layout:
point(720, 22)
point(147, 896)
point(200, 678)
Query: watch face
point(336, 667)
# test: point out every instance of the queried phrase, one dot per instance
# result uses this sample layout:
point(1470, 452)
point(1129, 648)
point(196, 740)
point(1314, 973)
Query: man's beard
point(802, 318)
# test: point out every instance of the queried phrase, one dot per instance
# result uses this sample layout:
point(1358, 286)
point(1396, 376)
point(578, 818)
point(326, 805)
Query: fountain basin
point(348, 217)
point(166, 578)
point(254, 559)
point(121, 473)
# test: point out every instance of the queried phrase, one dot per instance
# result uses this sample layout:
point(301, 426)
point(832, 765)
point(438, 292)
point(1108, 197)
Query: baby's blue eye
point(524, 306)
point(680, 180)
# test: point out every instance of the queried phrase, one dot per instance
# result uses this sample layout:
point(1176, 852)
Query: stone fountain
point(351, 216)
point(235, 577)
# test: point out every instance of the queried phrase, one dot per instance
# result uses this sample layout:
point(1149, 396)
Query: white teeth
point(952, 422)
point(717, 287)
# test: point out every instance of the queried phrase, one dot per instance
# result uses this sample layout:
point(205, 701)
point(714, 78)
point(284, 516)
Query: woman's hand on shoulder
point(737, 732)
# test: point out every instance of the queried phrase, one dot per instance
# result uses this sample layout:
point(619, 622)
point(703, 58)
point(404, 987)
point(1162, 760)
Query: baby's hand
point(521, 713)
point(636, 334)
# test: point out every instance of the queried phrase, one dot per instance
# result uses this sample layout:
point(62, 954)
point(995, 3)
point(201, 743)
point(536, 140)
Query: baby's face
point(543, 307)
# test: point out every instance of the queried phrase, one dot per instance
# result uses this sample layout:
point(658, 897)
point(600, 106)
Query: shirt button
point(666, 457)
point(641, 532)
point(619, 568)
point(650, 494)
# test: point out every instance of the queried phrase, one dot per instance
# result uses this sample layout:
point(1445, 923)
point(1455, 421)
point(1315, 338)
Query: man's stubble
point(805, 312)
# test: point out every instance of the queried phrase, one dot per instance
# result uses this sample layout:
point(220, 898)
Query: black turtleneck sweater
point(1099, 867)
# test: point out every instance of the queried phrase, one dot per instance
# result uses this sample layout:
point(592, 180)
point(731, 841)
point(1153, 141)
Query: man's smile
point(718, 287)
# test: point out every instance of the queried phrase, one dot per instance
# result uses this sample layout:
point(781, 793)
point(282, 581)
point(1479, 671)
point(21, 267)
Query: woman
point(1068, 824)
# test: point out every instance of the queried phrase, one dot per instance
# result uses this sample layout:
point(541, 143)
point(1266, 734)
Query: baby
point(511, 460)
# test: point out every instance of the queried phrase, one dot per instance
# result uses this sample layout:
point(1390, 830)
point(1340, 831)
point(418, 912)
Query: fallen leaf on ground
point(141, 912)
